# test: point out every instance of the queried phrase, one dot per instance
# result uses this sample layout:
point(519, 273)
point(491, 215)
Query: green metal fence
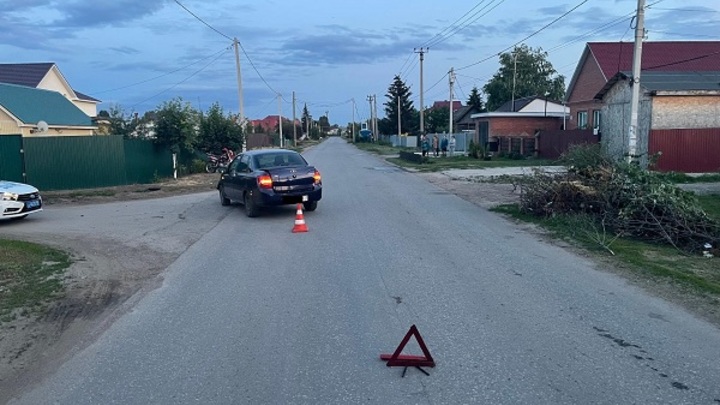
point(11, 162)
point(146, 161)
point(67, 163)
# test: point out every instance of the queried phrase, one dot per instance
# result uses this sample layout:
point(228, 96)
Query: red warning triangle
point(405, 360)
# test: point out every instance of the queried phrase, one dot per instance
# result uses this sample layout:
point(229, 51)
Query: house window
point(596, 120)
point(582, 120)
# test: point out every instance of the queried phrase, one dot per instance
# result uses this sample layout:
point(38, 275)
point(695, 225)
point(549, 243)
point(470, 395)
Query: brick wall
point(522, 126)
point(589, 82)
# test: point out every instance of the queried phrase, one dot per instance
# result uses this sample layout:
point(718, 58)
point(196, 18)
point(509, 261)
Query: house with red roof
point(678, 117)
point(457, 104)
point(601, 61)
point(269, 124)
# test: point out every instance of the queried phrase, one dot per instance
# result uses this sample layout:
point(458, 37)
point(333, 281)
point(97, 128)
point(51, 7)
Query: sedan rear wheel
point(310, 205)
point(224, 201)
point(251, 209)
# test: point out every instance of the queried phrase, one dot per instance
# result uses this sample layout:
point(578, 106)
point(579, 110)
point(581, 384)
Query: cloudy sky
point(138, 53)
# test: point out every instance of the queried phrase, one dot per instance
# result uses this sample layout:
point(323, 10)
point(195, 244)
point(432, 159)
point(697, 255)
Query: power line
point(565, 14)
point(255, 69)
point(264, 108)
point(687, 10)
point(405, 63)
point(460, 88)
point(232, 39)
point(201, 20)
point(603, 27)
point(436, 83)
point(679, 34)
point(441, 33)
point(180, 82)
point(411, 69)
point(682, 61)
point(163, 75)
point(467, 23)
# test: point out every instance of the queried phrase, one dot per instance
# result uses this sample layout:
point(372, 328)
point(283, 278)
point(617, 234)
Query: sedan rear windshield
point(279, 159)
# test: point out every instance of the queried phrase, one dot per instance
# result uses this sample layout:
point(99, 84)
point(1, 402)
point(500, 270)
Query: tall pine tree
point(409, 118)
point(475, 100)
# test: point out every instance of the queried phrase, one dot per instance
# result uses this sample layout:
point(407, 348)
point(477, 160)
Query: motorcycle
point(218, 163)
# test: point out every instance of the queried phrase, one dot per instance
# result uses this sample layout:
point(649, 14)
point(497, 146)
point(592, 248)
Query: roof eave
point(685, 92)
point(519, 115)
point(576, 73)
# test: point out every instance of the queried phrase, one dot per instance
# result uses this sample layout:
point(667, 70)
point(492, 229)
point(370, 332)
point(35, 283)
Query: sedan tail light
point(317, 177)
point(265, 181)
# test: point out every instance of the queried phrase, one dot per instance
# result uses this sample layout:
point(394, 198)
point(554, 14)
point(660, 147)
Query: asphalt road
point(252, 313)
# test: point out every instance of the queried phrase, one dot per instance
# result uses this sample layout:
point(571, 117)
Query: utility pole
point(241, 114)
point(452, 83)
point(399, 113)
point(353, 120)
point(422, 52)
point(375, 127)
point(279, 96)
point(512, 106)
point(636, 67)
point(294, 126)
point(371, 123)
point(307, 123)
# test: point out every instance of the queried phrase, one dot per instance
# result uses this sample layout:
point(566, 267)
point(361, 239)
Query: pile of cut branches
point(626, 199)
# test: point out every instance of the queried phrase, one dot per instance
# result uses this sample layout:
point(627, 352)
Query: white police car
point(17, 200)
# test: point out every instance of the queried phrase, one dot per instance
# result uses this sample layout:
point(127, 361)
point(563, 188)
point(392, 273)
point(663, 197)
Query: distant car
point(270, 177)
point(17, 200)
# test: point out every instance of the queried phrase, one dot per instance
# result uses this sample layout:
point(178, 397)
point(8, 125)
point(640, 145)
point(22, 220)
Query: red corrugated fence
point(686, 150)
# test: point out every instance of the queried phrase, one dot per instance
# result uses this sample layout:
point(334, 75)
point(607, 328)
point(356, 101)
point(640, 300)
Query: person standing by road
point(436, 145)
point(444, 145)
point(424, 145)
point(451, 144)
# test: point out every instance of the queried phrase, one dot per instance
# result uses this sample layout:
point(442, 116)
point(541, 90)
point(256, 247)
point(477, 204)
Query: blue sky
point(139, 53)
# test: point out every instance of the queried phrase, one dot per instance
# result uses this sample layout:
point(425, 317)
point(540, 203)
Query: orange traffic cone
point(299, 221)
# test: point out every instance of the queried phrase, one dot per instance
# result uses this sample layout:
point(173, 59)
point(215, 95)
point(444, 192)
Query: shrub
point(476, 151)
point(625, 198)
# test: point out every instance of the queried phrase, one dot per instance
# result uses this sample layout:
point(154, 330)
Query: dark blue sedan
point(270, 177)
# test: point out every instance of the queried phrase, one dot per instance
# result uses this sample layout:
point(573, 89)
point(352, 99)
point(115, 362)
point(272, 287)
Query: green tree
point(533, 75)
point(437, 120)
point(475, 99)
point(409, 116)
point(324, 124)
point(306, 119)
point(218, 131)
point(176, 125)
point(121, 123)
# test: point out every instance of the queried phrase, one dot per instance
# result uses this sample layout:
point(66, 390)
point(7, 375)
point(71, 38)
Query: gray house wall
point(616, 121)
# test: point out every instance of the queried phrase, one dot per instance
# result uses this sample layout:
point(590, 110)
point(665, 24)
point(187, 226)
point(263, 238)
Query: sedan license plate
point(32, 204)
point(305, 198)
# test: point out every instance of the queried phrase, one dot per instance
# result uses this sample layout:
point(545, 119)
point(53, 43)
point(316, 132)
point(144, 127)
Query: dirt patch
point(194, 183)
point(107, 272)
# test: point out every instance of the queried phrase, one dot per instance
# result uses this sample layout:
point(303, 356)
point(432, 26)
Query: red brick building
point(601, 61)
point(512, 128)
